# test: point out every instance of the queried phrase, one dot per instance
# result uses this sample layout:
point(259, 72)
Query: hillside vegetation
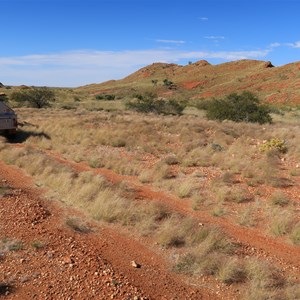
point(188, 163)
point(201, 80)
point(220, 201)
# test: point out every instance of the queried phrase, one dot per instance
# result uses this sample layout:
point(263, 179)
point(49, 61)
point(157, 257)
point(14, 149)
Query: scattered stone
point(68, 260)
point(135, 264)
point(24, 279)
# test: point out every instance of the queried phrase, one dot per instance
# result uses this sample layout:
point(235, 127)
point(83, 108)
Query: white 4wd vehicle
point(8, 120)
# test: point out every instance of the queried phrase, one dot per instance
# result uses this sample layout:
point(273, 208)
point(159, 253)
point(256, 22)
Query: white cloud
point(76, 68)
point(213, 37)
point(275, 45)
point(203, 18)
point(228, 55)
point(294, 45)
point(170, 41)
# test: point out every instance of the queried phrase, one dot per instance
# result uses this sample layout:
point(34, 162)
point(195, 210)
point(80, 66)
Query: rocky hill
point(201, 80)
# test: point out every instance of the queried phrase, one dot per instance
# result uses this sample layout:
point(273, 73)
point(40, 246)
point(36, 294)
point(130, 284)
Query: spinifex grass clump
point(37, 245)
point(7, 244)
point(4, 190)
point(78, 225)
point(210, 249)
point(187, 156)
point(233, 271)
point(279, 198)
point(295, 234)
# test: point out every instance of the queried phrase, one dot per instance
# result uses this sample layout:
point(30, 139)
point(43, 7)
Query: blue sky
point(77, 42)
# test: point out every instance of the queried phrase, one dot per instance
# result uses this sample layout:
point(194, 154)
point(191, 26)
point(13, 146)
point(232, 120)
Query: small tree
point(150, 103)
point(154, 82)
point(142, 103)
point(3, 97)
point(105, 97)
point(167, 82)
point(238, 108)
point(34, 97)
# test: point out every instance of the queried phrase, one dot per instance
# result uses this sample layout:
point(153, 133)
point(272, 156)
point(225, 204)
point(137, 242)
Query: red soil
point(97, 265)
point(73, 265)
point(193, 85)
point(261, 245)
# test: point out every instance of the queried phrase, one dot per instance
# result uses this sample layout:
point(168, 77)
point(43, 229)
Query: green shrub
point(99, 97)
point(142, 103)
point(105, 97)
point(154, 82)
point(3, 97)
point(167, 82)
point(76, 99)
point(202, 104)
point(149, 103)
point(238, 108)
point(34, 97)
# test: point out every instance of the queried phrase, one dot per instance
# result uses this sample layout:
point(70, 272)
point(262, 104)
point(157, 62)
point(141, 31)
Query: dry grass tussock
point(7, 244)
point(103, 201)
point(160, 149)
point(78, 225)
point(268, 282)
point(285, 223)
point(167, 152)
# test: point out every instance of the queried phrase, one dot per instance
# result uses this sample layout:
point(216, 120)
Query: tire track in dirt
point(255, 240)
point(108, 253)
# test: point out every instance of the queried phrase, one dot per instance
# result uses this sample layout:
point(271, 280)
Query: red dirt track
point(97, 265)
point(74, 265)
point(258, 242)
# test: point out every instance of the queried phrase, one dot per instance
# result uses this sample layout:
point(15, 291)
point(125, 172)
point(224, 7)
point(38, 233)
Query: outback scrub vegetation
point(168, 163)
point(238, 108)
point(149, 102)
point(34, 97)
point(220, 200)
